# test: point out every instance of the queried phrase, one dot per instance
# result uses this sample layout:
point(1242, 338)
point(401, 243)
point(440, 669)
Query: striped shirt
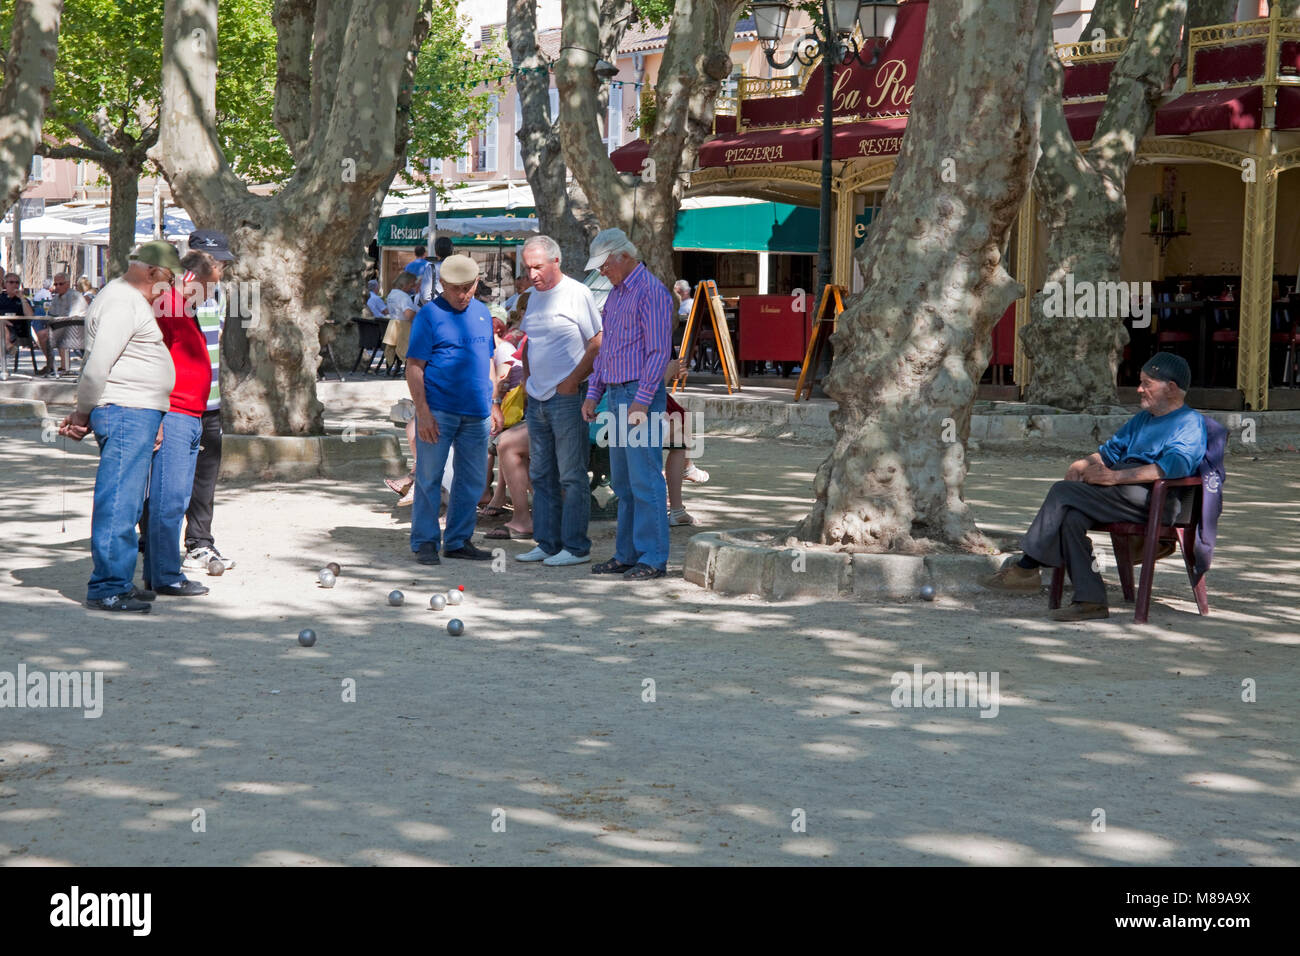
point(211, 317)
point(638, 333)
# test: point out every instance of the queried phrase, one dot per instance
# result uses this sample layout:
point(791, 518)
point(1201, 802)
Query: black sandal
point(612, 566)
point(643, 572)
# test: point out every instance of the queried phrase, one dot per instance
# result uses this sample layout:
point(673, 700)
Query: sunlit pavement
point(586, 720)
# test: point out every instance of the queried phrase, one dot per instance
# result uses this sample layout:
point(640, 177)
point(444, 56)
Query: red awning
point(1211, 110)
point(758, 147)
point(628, 159)
point(1288, 107)
point(882, 137)
point(1082, 119)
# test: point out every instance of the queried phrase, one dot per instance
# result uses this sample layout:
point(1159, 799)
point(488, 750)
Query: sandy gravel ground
point(763, 714)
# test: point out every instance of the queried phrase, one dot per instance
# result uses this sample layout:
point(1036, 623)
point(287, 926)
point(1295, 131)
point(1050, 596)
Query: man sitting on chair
point(1167, 439)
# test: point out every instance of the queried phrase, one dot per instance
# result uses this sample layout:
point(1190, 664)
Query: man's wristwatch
point(496, 401)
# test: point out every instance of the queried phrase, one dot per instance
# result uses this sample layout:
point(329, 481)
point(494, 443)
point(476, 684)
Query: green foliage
point(246, 91)
point(109, 77)
point(656, 12)
point(448, 104)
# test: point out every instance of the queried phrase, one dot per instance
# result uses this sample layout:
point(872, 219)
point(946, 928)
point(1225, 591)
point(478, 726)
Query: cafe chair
point(1286, 338)
point(1181, 533)
point(370, 338)
point(21, 342)
point(1224, 341)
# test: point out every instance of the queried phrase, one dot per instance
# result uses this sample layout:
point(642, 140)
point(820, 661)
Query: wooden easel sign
point(831, 305)
point(707, 303)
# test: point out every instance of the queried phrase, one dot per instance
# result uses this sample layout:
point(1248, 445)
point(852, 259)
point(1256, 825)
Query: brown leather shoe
point(1135, 546)
point(1012, 577)
point(1080, 611)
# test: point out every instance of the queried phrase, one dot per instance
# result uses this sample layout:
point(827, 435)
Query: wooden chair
point(1182, 533)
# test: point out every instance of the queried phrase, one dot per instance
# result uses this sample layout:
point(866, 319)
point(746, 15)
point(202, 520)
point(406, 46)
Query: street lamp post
point(831, 39)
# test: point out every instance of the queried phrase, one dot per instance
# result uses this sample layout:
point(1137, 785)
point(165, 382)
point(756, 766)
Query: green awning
point(753, 227)
point(409, 228)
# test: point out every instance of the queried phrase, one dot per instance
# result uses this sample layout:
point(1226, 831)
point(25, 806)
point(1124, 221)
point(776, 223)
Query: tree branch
point(326, 49)
point(188, 151)
point(293, 30)
point(75, 152)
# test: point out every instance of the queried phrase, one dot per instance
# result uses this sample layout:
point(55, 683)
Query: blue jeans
point(636, 473)
point(171, 481)
point(125, 437)
point(559, 450)
point(469, 437)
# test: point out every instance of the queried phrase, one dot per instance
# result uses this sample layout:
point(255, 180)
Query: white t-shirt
point(504, 357)
point(558, 323)
point(376, 305)
point(398, 303)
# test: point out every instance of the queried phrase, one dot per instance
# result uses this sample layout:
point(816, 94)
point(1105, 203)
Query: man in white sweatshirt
point(125, 389)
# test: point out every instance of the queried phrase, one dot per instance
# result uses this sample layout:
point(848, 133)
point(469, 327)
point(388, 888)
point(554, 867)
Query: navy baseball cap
point(212, 242)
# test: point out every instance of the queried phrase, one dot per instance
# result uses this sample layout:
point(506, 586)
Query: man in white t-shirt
point(563, 328)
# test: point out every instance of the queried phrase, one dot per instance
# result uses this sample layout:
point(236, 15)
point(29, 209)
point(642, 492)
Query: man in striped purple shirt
point(635, 350)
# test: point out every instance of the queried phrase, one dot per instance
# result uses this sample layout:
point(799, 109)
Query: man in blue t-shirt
point(452, 379)
point(1166, 439)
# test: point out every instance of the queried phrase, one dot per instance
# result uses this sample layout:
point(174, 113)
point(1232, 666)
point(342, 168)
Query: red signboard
point(771, 330)
point(860, 93)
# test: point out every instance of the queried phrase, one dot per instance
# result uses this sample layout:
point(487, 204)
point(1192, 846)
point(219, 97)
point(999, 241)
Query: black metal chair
point(23, 339)
point(370, 338)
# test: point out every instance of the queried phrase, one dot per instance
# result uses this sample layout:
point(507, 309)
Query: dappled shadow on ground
point(540, 716)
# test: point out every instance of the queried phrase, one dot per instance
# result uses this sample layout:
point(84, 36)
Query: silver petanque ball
point(437, 602)
point(216, 568)
point(455, 627)
point(395, 598)
point(326, 578)
point(307, 637)
point(927, 592)
point(454, 597)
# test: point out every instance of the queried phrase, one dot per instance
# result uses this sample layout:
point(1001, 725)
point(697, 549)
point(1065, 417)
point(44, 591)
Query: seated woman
point(510, 448)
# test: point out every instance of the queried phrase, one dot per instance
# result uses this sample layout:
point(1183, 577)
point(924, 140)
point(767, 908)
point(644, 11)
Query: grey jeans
point(1058, 536)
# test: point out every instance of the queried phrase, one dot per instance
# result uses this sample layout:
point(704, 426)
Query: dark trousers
point(198, 517)
point(1059, 535)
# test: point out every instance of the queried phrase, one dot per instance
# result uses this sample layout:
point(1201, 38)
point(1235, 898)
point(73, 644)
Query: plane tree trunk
point(696, 60)
point(1082, 206)
point(910, 349)
point(343, 103)
point(28, 82)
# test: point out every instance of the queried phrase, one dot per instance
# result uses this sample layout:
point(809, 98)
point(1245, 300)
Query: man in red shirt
point(172, 476)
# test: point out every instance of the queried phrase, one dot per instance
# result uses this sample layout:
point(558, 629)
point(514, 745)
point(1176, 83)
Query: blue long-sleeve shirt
point(1175, 442)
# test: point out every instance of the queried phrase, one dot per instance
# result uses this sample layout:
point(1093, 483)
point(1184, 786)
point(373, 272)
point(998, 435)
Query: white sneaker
point(563, 558)
point(695, 474)
point(200, 559)
point(537, 554)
